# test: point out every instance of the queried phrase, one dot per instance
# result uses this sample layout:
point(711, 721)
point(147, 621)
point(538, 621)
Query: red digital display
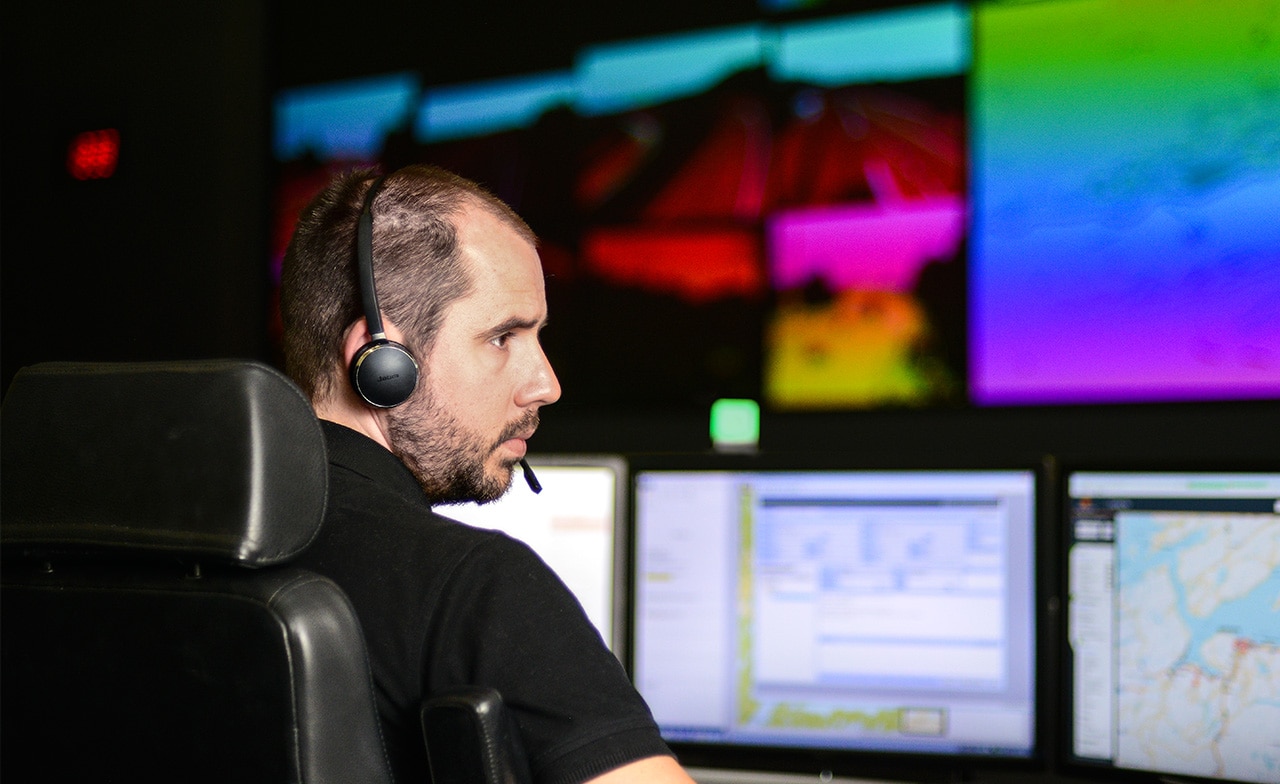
point(93, 155)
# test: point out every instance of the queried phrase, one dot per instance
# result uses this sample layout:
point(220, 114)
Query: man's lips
point(518, 443)
point(516, 437)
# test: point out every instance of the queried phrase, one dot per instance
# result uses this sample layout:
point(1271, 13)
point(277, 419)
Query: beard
point(448, 460)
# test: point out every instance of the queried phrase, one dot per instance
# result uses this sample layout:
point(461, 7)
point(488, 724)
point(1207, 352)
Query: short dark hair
point(417, 264)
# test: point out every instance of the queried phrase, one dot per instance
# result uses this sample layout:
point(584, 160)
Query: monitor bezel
point(860, 762)
point(1066, 761)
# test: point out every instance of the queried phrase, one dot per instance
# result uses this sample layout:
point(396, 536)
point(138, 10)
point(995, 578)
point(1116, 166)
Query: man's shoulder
point(364, 510)
point(370, 529)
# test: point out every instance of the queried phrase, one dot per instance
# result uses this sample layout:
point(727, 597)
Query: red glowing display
point(93, 155)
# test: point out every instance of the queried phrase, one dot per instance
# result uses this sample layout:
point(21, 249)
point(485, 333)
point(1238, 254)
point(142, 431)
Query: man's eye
point(501, 340)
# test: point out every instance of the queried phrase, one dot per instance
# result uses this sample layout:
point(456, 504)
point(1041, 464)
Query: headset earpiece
point(383, 372)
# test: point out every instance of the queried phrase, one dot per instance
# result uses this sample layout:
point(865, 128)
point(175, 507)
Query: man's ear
point(354, 338)
point(343, 403)
point(341, 398)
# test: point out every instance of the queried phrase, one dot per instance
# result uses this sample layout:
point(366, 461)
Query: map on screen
point(1175, 593)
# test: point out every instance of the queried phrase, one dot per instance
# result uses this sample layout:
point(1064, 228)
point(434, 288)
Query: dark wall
point(449, 42)
point(164, 259)
point(167, 258)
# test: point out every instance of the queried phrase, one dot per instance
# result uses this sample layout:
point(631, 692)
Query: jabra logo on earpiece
point(388, 378)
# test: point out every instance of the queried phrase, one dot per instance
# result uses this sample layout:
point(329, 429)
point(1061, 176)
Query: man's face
point(485, 378)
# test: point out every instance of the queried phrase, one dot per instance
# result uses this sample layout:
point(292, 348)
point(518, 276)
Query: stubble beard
point(448, 460)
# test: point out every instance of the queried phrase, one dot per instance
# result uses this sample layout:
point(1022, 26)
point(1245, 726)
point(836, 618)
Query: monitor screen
point(1173, 623)
point(800, 617)
point(576, 524)
point(1145, 268)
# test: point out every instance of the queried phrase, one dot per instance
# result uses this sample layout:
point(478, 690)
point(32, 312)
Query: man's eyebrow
point(515, 323)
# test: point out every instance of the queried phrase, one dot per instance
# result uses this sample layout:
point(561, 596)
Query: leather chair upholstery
point(471, 738)
point(153, 627)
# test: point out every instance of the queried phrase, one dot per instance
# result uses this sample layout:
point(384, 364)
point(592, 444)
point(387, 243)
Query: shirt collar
point(357, 452)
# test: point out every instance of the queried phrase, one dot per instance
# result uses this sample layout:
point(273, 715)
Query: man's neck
point(360, 418)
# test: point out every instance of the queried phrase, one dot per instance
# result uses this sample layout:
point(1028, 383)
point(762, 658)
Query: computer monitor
point(812, 620)
point(1129, 274)
point(577, 524)
point(1172, 661)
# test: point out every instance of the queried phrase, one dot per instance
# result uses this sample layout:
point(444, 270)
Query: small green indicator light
point(735, 424)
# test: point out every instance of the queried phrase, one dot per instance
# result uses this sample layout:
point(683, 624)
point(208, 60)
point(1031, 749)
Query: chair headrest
point(222, 460)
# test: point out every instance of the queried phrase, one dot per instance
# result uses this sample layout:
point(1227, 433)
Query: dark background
point(167, 259)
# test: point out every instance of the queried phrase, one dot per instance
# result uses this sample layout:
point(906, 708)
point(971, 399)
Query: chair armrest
point(471, 739)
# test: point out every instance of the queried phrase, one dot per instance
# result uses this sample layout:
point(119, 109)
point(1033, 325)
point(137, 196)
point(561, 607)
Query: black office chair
point(153, 627)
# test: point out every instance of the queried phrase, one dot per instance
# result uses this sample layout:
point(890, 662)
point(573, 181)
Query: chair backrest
point(153, 627)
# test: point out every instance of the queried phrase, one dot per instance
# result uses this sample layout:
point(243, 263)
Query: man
point(459, 287)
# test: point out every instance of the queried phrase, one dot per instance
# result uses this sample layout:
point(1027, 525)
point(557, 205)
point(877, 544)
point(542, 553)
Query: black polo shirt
point(443, 604)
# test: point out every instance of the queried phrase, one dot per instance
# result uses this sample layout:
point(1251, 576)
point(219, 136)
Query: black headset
point(383, 372)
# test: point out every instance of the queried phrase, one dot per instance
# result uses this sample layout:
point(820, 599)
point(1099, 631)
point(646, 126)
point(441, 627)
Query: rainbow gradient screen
point(1126, 187)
